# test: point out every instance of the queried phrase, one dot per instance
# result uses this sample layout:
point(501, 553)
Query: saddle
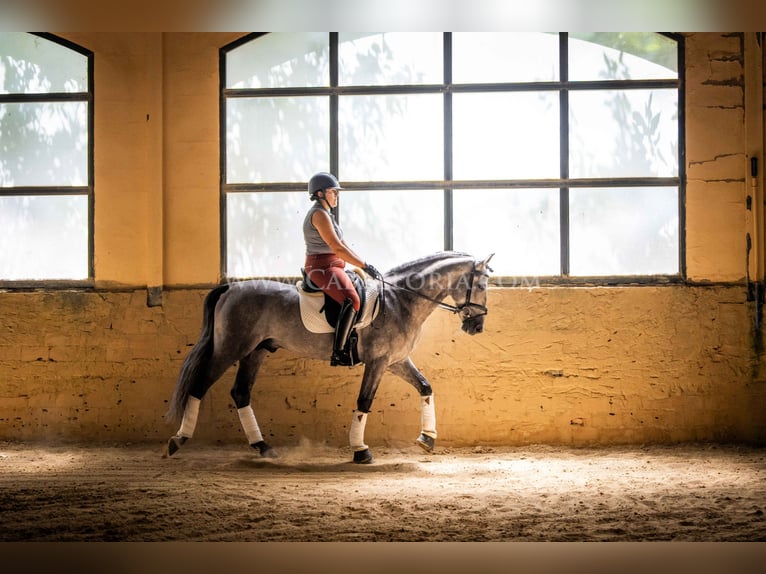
point(320, 312)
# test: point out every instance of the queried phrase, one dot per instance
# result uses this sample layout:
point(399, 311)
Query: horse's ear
point(485, 264)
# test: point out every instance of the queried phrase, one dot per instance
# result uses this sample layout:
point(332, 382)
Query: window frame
point(42, 191)
point(564, 183)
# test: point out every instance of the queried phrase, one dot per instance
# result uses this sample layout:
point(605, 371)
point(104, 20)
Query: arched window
point(561, 153)
point(46, 179)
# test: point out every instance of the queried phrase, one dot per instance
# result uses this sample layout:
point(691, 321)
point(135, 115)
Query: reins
point(452, 308)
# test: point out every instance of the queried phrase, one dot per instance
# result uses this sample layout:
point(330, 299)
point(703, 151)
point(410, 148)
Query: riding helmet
point(322, 180)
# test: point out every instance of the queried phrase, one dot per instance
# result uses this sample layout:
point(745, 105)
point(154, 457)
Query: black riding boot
point(341, 353)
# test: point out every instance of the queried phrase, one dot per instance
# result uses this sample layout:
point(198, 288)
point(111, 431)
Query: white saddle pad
point(316, 322)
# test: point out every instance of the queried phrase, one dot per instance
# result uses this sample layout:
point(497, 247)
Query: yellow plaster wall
point(560, 365)
point(192, 167)
point(120, 157)
point(156, 157)
point(716, 158)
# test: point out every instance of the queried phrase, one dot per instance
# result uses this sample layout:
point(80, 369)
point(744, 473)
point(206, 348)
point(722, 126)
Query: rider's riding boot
point(341, 353)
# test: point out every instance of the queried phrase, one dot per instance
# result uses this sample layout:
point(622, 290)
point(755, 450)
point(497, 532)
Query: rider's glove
point(372, 272)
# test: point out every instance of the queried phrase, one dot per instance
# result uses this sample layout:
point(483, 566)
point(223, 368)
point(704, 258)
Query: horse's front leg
point(373, 372)
point(407, 371)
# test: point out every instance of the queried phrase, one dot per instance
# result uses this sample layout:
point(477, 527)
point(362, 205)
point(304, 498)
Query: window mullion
point(334, 104)
point(564, 152)
point(448, 173)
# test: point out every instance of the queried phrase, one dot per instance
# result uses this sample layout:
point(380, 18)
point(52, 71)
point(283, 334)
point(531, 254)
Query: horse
point(244, 321)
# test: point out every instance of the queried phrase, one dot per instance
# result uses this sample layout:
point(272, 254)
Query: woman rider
point(326, 257)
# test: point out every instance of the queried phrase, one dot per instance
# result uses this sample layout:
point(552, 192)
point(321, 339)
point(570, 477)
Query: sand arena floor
point(313, 493)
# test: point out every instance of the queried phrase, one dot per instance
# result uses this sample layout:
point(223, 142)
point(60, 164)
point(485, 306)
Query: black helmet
point(322, 180)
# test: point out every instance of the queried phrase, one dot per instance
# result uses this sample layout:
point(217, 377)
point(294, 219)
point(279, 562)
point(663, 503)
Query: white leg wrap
point(189, 422)
point(428, 416)
point(356, 432)
point(247, 418)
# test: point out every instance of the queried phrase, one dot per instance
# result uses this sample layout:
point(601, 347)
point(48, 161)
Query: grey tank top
point(315, 245)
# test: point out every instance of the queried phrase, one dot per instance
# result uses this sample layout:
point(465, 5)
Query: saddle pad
point(316, 322)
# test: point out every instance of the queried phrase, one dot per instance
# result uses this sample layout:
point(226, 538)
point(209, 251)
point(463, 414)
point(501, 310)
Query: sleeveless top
point(315, 245)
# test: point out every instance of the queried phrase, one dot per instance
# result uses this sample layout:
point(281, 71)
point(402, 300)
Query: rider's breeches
point(327, 272)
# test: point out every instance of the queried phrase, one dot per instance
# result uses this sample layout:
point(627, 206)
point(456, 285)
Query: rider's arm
point(323, 225)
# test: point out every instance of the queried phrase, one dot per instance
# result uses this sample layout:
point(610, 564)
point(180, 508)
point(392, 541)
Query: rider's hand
point(372, 272)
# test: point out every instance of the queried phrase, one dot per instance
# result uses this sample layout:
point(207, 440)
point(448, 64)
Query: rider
point(326, 256)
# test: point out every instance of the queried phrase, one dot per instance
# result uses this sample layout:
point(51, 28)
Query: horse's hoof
point(175, 443)
point(265, 450)
point(426, 442)
point(363, 456)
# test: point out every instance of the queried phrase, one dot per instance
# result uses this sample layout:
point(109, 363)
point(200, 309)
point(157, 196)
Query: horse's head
point(474, 308)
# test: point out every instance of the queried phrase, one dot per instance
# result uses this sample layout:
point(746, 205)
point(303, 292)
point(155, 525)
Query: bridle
point(464, 309)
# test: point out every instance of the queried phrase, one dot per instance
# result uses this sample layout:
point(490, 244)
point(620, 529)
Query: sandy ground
point(313, 493)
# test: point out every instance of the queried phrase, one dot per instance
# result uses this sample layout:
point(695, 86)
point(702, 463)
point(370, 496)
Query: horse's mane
point(425, 262)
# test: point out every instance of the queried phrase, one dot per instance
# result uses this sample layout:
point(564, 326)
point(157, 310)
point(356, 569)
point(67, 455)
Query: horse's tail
point(197, 359)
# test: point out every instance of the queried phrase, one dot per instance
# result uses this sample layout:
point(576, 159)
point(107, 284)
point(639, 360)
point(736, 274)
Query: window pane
point(44, 237)
point(388, 228)
point(626, 231)
point(508, 135)
point(623, 133)
point(280, 61)
point(390, 58)
point(276, 139)
point(521, 226)
point(389, 138)
point(30, 64)
point(264, 235)
point(480, 57)
point(44, 144)
point(622, 56)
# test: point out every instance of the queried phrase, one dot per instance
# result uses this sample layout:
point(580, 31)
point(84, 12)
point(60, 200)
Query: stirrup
point(341, 358)
point(348, 355)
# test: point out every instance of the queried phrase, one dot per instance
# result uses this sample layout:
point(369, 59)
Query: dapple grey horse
point(245, 320)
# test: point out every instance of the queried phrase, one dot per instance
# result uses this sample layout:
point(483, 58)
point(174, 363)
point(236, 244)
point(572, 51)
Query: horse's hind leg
point(241, 392)
point(200, 381)
point(188, 424)
point(408, 372)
